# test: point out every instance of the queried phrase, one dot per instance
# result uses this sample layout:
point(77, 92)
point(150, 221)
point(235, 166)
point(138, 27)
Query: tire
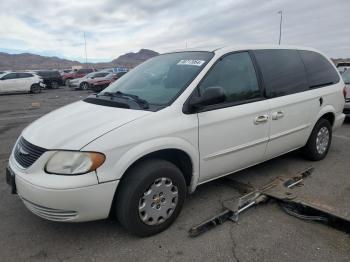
point(54, 85)
point(66, 82)
point(35, 89)
point(84, 86)
point(143, 185)
point(314, 150)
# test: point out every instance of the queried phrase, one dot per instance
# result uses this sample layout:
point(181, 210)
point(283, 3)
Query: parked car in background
point(52, 79)
point(98, 84)
point(13, 82)
point(116, 69)
point(76, 74)
point(84, 82)
point(343, 66)
point(346, 78)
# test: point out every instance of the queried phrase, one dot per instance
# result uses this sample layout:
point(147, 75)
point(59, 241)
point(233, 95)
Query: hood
point(75, 125)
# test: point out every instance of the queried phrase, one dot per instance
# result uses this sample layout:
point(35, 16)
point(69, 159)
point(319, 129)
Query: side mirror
point(211, 96)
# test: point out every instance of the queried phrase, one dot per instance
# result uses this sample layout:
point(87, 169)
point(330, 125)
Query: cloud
point(114, 27)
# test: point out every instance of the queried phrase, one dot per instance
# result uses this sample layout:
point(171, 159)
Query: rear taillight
point(344, 92)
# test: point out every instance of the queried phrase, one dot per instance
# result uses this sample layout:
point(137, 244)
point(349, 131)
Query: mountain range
point(28, 61)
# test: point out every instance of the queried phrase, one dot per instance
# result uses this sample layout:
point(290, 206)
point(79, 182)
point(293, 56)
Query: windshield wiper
point(141, 102)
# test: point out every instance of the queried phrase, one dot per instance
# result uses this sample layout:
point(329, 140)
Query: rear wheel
point(35, 89)
point(319, 141)
point(150, 197)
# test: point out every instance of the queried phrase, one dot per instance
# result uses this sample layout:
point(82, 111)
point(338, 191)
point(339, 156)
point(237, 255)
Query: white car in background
point(346, 78)
point(24, 82)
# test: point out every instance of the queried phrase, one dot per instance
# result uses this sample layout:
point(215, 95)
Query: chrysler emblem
point(22, 151)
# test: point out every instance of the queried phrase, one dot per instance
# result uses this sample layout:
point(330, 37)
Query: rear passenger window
point(319, 70)
point(283, 71)
point(24, 75)
point(235, 73)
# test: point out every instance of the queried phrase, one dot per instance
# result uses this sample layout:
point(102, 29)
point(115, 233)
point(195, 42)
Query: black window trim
point(186, 107)
point(311, 87)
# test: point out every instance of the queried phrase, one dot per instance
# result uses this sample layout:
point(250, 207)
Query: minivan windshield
point(159, 80)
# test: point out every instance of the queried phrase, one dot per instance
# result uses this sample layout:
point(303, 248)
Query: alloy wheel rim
point(322, 140)
point(158, 202)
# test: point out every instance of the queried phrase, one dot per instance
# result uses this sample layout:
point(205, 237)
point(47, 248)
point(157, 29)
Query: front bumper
point(63, 203)
point(68, 205)
point(73, 84)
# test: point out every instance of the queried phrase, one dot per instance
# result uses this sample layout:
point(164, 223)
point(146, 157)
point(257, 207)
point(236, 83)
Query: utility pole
point(85, 49)
point(279, 41)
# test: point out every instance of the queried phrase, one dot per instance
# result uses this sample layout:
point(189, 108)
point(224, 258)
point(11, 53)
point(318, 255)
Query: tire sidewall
point(315, 155)
point(146, 174)
point(35, 89)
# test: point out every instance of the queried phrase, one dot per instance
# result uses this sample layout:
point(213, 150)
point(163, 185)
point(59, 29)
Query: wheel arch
point(328, 112)
point(184, 158)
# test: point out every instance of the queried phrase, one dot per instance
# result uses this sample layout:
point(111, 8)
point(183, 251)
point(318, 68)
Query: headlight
point(74, 162)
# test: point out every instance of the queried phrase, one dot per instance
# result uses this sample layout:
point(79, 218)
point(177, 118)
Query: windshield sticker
point(191, 62)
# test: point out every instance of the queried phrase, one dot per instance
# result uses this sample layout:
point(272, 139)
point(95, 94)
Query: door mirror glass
point(211, 96)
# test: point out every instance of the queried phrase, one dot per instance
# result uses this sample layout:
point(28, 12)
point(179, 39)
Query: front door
point(234, 134)
point(8, 83)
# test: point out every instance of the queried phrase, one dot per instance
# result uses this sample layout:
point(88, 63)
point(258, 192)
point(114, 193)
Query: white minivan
point(174, 122)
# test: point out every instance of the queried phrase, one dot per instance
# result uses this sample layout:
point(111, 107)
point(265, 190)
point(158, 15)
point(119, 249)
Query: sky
point(114, 27)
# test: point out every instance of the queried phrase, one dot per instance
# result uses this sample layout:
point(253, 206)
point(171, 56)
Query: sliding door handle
point(277, 115)
point(261, 119)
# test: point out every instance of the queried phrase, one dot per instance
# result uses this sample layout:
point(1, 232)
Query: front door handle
point(277, 115)
point(261, 119)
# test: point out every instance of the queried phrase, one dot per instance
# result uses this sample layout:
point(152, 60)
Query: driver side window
point(235, 73)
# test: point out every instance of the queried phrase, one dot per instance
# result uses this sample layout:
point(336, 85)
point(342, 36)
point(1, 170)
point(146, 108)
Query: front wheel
point(150, 197)
point(54, 85)
point(319, 141)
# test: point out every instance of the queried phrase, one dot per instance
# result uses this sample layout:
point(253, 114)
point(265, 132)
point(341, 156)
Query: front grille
point(26, 153)
point(50, 213)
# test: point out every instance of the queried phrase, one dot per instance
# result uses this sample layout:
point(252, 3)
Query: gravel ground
point(264, 233)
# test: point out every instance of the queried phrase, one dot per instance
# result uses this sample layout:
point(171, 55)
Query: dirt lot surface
point(264, 233)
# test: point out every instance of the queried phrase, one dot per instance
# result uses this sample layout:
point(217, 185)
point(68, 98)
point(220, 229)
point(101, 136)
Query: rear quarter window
point(320, 71)
point(24, 75)
point(282, 70)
